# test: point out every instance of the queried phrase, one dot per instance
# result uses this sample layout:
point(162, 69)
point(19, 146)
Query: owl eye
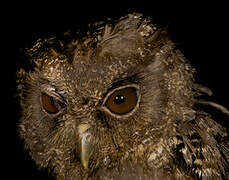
point(52, 104)
point(122, 101)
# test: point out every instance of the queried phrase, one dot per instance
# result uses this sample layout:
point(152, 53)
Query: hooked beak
point(86, 145)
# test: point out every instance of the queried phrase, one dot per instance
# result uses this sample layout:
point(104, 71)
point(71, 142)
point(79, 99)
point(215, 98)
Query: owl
point(118, 102)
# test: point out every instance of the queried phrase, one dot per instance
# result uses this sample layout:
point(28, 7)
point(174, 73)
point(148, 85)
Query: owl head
point(116, 96)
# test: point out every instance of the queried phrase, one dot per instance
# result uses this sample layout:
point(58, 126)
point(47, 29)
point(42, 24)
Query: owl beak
point(86, 145)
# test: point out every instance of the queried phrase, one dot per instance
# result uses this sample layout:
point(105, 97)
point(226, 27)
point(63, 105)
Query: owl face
point(106, 104)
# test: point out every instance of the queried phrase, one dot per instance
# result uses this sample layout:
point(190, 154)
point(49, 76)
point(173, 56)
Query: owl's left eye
point(52, 104)
point(122, 101)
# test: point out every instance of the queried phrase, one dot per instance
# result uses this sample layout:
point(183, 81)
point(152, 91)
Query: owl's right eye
point(52, 104)
point(122, 101)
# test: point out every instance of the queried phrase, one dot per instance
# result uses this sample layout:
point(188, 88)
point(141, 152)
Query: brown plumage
point(118, 104)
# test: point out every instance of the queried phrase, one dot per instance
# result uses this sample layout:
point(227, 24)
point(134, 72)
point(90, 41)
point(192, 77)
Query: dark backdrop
point(200, 30)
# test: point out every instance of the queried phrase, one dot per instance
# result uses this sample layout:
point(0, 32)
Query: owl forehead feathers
point(108, 50)
point(126, 35)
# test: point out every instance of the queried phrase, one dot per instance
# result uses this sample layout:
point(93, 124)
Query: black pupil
point(119, 99)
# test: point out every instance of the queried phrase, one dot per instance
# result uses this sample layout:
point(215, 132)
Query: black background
point(200, 31)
